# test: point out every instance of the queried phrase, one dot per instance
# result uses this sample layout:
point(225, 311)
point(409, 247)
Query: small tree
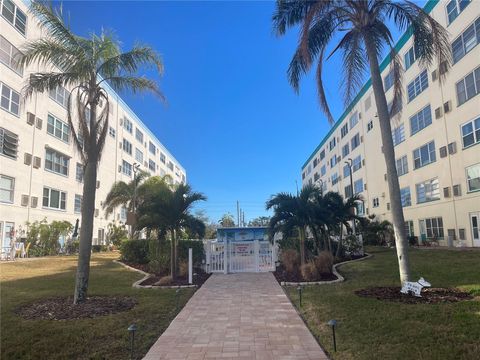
point(227, 220)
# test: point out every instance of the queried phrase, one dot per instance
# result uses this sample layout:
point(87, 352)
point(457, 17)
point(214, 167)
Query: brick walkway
point(241, 316)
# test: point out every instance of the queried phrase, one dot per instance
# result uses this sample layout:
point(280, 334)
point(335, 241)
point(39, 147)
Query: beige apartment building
point(40, 173)
point(436, 137)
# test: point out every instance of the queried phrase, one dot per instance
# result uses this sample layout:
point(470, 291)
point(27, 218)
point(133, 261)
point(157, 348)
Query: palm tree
point(361, 25)
point(293, 212)
point(170, 209)
point(84, 64)
point(227, 220)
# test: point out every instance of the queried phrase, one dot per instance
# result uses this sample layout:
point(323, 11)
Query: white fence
point(239, 256)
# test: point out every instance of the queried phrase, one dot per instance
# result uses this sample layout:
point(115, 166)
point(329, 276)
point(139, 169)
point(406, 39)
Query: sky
point(232, 120)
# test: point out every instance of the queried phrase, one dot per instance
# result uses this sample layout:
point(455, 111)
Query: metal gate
point(239, 256)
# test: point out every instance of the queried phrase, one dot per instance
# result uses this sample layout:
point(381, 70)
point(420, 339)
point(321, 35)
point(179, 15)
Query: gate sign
point(242, 249)
point(242, 234)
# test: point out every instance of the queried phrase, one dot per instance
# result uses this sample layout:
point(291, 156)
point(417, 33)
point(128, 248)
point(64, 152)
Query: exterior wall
point(29, 181)
point(455, 211)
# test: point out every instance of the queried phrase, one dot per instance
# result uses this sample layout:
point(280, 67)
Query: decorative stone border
point(137, 283)
point(339, 278)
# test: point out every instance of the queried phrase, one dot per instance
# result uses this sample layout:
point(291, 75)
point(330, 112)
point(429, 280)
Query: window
point(170, 165)
point(10, 100)
point(345, 150)
point(127, 125)
point(139, 135)
point(323, 170)
point(333, 161)
point(9, 55)
point(402, 165)
point(420, 120)
point(353, 120)
point(376, 202)
point(355, 141)
point(111, 132)
point(344, 130)
point(152, 148)
point(410, 56)
point(7, 187)
point(424, 155)
point(332, 143)
point(471, 132)
point(335, 179)
point(303, 175)
point(395, 110)
point(398, 134)
point(454, 8)
point(127, 168)
point(368, 103)
point(388, 81)
point(466, 41)
point(405, 196)
point(322, 154)
point(123, 213)
point(467, 88)
point(14, 16)
point(315, 162)
point(417, 85)
point(77, 205)
point(348, 191)
point(8, 143)
point(127, 146)
point(357, 163)
point(163, 158)
point(54, 199)
point(473, 177)
point(434, 227)
point(309, 169)
point(428, 191)
point(58, 128)
point(60, 95)
point(56, 162)
point(79, 172)
point(139, 155)
point(370, 125)
point(409, 228)
point(358, 186)
point(151, 165)
point(346, 170)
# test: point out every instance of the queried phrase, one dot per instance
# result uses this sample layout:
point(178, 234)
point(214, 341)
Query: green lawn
point(104, 337)
point(372, 329)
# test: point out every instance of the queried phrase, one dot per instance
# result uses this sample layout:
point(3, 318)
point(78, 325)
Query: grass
point(104, 337)
point(373, 329)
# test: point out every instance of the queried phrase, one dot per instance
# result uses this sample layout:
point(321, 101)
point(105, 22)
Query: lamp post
point(349, 164)
point(300, 290)
point(131, 329)
point(333, 323)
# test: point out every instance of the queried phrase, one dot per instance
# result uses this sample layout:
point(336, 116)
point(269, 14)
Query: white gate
point(240, 256)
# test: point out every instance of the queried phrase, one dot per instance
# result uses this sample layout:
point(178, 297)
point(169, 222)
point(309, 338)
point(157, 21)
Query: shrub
point(198, 251)
point(44, 237)
point(309, 271)
point(99, 248)
point(290, 259)
point(135, 251)
point(352, 245)
point(166, 280)
point(324, 262)
point(413, 240)
point(117, 234)
point(183, 268)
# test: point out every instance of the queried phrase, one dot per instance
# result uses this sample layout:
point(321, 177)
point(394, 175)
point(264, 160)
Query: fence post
point(190, 266)
point(257, 255)
point(208, 256)
point(225, 255)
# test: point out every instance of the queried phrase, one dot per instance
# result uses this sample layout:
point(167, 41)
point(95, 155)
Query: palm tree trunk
point(176, 250)
point(173, 268)
point(315, 238)
point(302, 245)
point(389, 154)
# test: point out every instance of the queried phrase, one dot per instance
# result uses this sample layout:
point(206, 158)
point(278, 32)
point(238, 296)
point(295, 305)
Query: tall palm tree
point(361, 25)
point(293, 212)
point(170, 209)
point(84, 64)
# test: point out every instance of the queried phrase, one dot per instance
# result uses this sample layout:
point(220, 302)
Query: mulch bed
point(283, 276)
point(429, 295)
point(62, 308)
point(199, 277)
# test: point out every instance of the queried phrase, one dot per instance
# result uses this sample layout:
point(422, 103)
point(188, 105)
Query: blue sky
point(232, 119)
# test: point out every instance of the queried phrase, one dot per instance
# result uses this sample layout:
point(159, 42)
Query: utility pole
point(238, 214)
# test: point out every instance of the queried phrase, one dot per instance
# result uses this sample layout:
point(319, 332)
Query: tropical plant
point(169, 210)
point(116, 234)
point(227, 220)
point(293, 212)
point(84, 65)
point(259, 221)
point(364, 35)
point(44, 237)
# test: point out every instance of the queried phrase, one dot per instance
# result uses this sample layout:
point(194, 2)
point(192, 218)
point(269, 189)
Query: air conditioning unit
point(438, 113)
point(39, 123)
point(452, 148)
point(443, 151)
point(37, 162)
point(34, 201)
point(119, 168)
point(120, 144)
point(98, 184)
point(361, 139)
point(121, 122)
point(30, 118)
point(27, 159)
point(434, 75)
point(360, 115)
point(457, 190)
point(363, 162)
point(385, 177)
point(446, 192)
point(447, 107)
point(364, 186)
point(383, 194)
point(24, 201)
point(97, 212)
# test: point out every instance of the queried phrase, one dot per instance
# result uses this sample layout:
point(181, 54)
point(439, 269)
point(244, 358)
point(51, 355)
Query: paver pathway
point(241, 316)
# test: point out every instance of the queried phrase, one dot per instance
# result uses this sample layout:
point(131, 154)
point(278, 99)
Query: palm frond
point(135, 85)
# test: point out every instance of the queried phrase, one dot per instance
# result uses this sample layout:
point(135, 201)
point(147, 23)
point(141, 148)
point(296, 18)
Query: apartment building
point(40, 171)
point(436, 138)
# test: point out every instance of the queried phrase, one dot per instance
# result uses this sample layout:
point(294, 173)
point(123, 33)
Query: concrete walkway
point(240, 316)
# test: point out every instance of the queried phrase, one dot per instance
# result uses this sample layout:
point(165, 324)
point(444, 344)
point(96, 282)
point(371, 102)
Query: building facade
point(436, 138)
point(40, 171)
